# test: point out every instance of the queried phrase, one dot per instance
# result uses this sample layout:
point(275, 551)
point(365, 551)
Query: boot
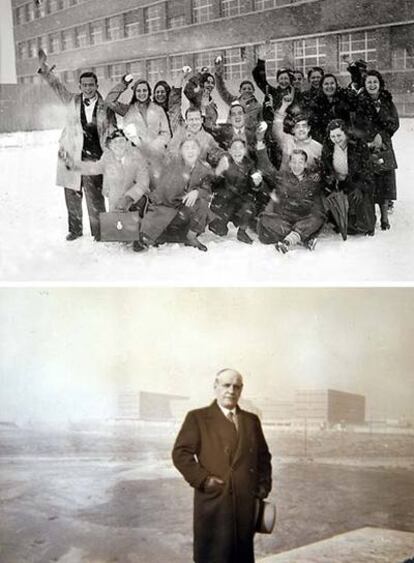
point(242, 236)
point(218, 227)
point(385, 225)
point(193, 241)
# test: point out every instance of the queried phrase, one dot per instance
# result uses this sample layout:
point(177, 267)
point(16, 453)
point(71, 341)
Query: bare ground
point(93, 497)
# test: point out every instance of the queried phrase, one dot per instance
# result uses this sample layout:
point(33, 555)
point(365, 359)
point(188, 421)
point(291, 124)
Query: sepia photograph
point(206, 142)
point(224, 425)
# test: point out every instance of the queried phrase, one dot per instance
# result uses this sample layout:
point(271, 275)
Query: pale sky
point(66, 353)
point(7, 56)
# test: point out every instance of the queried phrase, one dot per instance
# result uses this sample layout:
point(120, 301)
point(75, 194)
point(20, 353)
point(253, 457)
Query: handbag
point(119, 226)
point(383, 160)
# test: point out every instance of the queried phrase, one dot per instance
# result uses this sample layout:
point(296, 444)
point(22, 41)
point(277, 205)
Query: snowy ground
point(33, 226)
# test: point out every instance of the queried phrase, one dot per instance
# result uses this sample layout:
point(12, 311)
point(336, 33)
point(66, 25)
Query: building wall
point(330, 406)
point(302, 33)
point(346, 407)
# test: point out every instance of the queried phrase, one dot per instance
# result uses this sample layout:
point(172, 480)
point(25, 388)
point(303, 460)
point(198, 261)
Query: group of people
point(309, 154)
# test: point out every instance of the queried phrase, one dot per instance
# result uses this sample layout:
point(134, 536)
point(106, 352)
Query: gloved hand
point(127, 78)
point(355, 196)
point(124, 203)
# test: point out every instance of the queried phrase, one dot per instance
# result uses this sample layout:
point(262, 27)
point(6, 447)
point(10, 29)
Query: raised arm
point(226, 96)
point(47, 74)
point(111, 99)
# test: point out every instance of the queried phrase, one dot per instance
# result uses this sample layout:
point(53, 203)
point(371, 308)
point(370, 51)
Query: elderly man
point(221, 452)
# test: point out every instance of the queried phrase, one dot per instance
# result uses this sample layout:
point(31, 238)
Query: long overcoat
point(370, 121)
point(206, 445)
point(71, 139)
point(360, 176)
point(322, 111)
point(166, 200)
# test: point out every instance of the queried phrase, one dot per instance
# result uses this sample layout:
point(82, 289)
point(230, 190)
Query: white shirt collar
point(92, 101)
point(226, 411)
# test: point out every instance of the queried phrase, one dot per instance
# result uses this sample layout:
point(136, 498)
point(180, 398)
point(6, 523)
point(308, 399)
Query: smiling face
point(209, 84)
point(315, 79)
point(297, 164)
point(246, 90)
point(238, 151)
point(190, 151)
point(284, 80)
point(88, 86)
point(372, 85)
point(160, 94)
point(142, 92)
point(194, 121)
point(228, 387)
point(329, 86)
point(338, 136)
point(301, 130)
point(237, 117)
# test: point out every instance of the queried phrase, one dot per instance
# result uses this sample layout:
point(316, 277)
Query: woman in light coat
point(150, 120)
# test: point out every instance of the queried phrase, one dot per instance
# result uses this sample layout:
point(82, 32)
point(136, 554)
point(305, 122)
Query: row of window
point(300, 54)
point(201, 10)
point(34, 10)
point(306, 53)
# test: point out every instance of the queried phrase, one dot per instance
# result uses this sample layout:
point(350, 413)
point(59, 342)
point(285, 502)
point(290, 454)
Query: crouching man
point(124, 169)
point(180, 200)
point(222, 453)
point(295, 212)
point(236, 200)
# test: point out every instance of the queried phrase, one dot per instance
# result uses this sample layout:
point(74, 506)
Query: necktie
point(232, 418)
point(86, 102)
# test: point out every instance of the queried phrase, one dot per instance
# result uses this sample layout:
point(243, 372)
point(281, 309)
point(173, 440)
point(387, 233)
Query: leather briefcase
point(119, 226)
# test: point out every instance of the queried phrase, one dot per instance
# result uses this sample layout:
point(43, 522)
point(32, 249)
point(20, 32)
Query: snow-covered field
point(33, 226)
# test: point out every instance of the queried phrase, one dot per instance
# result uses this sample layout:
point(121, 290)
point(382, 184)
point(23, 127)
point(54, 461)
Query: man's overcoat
point(208, 444)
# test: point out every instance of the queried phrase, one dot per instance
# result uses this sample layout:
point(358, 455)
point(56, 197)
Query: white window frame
point(234, 64)
point(230, 8)
point(202, 10)
point(154, 75)
point(406, 60)
point(152, 18)
point(347, 48)
point(96, 29)
point(112, 33)
point(309, 52)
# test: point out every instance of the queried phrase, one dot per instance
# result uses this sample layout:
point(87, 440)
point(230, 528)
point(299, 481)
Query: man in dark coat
point(221, 452)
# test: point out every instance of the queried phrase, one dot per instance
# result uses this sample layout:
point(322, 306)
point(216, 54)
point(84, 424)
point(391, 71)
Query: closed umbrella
point(337, 203)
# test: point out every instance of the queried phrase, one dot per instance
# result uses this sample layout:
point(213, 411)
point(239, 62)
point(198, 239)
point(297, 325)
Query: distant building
point(142, 405)
point(155, 39)
point(329, 406)
point(273, 410)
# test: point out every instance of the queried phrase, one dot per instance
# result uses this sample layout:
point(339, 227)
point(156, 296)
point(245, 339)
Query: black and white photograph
point(207, 142)
point(206, 281)
point(117, 447)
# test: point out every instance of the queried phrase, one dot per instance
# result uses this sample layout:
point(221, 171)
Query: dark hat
point(265, 516)
point(114, 135)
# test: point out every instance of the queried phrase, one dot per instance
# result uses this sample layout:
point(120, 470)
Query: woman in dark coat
point(182, 195)
point(332, 102)
point(376, 121)
point(346, 167)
